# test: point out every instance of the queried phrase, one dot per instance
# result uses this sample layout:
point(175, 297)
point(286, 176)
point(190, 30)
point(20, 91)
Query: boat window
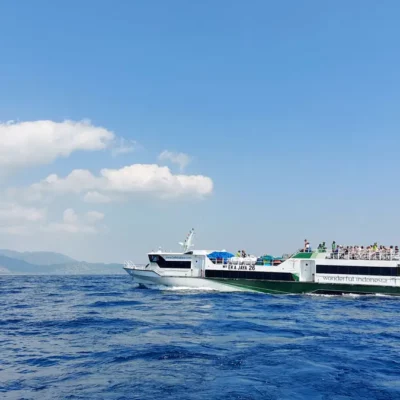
point(257, 275)
point(173, 264)
point(356, 270)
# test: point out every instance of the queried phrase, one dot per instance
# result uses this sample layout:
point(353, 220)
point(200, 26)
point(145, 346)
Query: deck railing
point(220, 260)
point(131, 265)
point(382, 255)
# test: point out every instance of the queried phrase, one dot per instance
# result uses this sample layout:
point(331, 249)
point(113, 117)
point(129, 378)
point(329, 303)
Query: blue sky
point(290, 108)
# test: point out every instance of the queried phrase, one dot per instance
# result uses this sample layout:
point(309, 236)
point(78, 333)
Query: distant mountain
point(38, 257)
point(4, 271)
point(10, 265)
point(86, 268)
point(19, 266)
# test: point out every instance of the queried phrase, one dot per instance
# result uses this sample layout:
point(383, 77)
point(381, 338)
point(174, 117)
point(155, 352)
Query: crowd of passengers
point(241, 253)
point(354, 251)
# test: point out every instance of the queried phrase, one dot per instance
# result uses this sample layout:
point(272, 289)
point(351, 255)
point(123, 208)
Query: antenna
point(187, 244)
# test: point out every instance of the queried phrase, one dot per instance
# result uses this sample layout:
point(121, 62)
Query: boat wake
point(179, 288)
point(353, 295)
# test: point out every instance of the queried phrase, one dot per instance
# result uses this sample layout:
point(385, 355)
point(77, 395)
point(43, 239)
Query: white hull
point(149, 279)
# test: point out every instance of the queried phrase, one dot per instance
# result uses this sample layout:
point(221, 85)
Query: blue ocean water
point(100, 337)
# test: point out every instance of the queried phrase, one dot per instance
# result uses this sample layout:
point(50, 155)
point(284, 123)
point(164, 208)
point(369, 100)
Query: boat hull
point(280, 287)
point(151, 279)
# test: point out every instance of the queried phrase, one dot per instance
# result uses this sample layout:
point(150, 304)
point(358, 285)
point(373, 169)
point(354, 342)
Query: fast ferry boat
point(318, 272)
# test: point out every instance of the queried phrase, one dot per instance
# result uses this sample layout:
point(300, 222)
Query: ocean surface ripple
point(100, 337)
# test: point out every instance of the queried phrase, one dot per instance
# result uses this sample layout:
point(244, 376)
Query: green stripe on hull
point(306, 287)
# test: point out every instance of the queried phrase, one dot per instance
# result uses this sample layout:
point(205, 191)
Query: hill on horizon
point(38, 257)
point(14, 262)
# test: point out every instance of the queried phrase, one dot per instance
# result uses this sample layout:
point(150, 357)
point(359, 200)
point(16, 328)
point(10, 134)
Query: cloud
point(12, 213)
point(123, 146)
point(15, 230)
point(96, 197)
point(70, 216)
point(72, 223)
point(136, 178)
point(180, 159)
point(94, 216)
point(19, 220)
point(41, 142)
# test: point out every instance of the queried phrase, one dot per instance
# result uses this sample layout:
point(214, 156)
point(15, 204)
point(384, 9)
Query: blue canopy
point(220, 254)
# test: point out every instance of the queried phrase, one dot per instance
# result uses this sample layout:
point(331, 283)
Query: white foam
point(186, 288)
point(333, 295)
point(355, 295)
point(182, 288)
point(386, 295)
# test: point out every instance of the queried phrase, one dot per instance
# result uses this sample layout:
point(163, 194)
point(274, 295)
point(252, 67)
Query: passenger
point(323, 247)
point(334, 246)
point(244, 254)
point(238, 254)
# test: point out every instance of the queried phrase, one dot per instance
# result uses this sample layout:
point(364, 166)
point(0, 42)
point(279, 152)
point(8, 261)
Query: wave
point(181, 288)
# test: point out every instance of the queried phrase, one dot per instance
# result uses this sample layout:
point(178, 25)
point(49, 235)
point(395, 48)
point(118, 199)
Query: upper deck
point(352, 254)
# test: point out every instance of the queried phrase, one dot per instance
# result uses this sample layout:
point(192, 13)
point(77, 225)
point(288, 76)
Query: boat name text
point(356, 279)
point(239, 267)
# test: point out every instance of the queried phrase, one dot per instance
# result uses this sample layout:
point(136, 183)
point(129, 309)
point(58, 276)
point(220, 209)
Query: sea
point(102, 337)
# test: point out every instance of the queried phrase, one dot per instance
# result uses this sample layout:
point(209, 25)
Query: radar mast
point(187, 244)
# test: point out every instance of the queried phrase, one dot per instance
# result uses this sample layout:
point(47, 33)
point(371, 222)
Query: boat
point(303, 272)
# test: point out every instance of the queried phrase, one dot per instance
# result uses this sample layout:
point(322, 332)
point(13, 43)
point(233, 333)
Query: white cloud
point(96, 197)
point(123, 146)
point(136, 178)
point(70, 216)
point(19, 220)
point(94, 216)
point(180, 159)
point(11, 213)
point(77, 181)
point(72, 223)
point(41, 142)
point(15, 230)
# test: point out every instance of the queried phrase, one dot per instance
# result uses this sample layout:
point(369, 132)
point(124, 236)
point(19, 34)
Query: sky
point(259, 124)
